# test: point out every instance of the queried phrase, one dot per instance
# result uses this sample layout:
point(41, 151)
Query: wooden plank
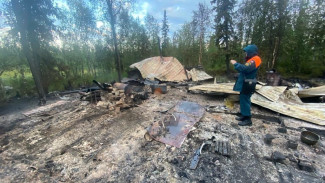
point(219, 88)
point(314, 113)
point(273, 98)
point(271, 92)
point(312, 92)
point(291, 94)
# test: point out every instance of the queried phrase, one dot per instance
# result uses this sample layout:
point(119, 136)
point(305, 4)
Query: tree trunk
point(275, 52)
point(116, 51)
point(200, 55)
point(227, 48)
point(227, 63)
point(160, 51)
point(30, 46)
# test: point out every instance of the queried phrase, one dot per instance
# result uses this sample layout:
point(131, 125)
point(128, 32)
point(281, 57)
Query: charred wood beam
point(99, 85)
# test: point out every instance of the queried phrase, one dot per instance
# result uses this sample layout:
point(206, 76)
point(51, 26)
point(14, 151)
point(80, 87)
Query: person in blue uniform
point(246, 71)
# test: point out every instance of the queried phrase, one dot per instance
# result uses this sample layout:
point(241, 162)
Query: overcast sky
point(178, 11)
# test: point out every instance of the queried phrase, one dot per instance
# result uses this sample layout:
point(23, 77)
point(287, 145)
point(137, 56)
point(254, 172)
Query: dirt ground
point(79, 142)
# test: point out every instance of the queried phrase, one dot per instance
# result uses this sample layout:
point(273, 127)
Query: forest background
point(45, 47)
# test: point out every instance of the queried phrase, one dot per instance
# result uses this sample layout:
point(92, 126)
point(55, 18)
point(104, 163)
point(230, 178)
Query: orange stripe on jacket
point(257, 61)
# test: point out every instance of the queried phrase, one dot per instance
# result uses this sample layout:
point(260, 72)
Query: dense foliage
point(73, 42)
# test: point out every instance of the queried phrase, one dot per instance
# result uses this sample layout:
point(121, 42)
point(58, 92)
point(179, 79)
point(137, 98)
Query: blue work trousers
point(245, 104)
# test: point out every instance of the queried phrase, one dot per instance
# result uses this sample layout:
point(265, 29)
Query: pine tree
point(224, 25)
point(317, 42)
point(152, 27)
point(201, 18)
point(164, 32)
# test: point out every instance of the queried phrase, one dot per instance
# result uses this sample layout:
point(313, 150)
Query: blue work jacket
point(247, 71)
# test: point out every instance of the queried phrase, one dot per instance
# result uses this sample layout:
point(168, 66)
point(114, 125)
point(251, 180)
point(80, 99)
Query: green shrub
point(22, 87)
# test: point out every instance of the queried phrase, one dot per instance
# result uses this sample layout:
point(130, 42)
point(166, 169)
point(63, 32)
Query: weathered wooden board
point(219, 88)
point(271, 92)
point(314, 113)
point(273, 98)
point(291, 94)
point(312, 92)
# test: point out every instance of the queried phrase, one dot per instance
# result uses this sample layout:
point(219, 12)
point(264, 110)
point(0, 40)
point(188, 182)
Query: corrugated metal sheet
point(312, 92)
point(314, 113)
point(199, 75)
point(271, 92)
point(166, 69)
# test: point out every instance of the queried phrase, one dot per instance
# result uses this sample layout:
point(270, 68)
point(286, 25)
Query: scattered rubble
point(282, 130)
point(274, 98)
point(268, 139)
point(196, 158)
point(223, 148)
point(292, 144)
point(104, 137)
point(277, 157)
point(75, 143)
point(305, 165)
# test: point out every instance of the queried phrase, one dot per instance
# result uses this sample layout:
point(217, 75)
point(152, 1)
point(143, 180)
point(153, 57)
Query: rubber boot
point(240, 118)
point(246, 121)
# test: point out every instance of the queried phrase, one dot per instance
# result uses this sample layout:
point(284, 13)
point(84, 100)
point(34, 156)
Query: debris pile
point(91, 96)
point(122, 96)
point(278, 99)
point(168, 69)
point(188, 137)
point(156, 73)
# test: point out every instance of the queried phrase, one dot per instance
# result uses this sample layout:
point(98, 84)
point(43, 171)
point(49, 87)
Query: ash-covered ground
point(81, 142)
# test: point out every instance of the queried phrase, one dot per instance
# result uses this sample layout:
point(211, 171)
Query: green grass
point(26, 87)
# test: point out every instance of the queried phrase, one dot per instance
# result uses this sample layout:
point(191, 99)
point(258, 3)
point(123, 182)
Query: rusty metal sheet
point(271, 92)
point(199, 75)
point(173, 128)
point(314, 113)
point(312, 92)
point(164, 69)
point(219, 88)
